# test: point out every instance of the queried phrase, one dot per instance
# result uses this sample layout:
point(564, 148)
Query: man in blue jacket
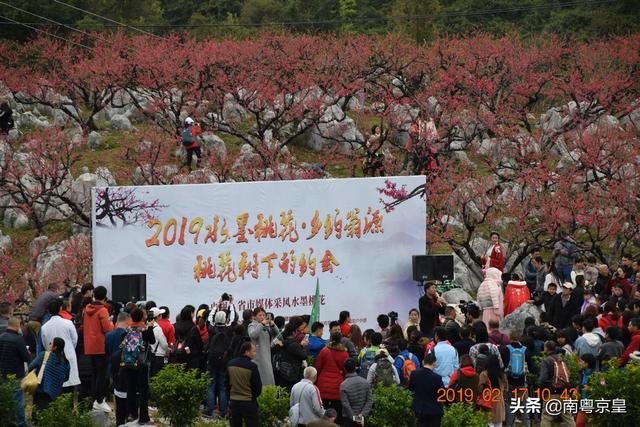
point(424, 384)
point(446, 356)
point(403, 357)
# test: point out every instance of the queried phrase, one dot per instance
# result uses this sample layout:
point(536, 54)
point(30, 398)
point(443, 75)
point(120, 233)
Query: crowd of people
point(77, 341)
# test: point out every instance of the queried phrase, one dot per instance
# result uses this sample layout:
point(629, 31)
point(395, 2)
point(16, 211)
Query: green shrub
point(62, 413)
point(178, 393)
point(391, 407)
point(274, 405)
point(464, 414)
point(617, 384)
point(574, 369)
point(8, 408)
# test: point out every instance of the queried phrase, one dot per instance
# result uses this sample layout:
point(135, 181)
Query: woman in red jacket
point(331, 373)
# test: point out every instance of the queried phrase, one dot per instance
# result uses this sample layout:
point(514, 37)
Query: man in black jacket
point(564, 306)
point(425, 384)
point(245, 387)
point(431, 305)
point(13, 356)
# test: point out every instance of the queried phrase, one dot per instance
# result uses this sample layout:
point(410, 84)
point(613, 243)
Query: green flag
point(315, 311)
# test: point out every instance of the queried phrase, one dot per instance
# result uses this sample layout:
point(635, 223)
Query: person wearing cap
point(189, 135)
point(161, 348)
point(328, 420)
point(218, 356)
point(564, 306)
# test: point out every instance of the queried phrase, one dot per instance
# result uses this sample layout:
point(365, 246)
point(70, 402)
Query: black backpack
point(219, 350)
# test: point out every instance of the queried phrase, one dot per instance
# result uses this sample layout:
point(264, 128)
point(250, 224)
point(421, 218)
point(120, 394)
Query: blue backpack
point(517, 365)
point(368, 359)
point(187, 136)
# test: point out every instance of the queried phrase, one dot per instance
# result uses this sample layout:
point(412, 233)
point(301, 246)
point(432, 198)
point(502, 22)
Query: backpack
point(560, 379)
point(384, 373)
point(517, 364)
point(367, 359)
point(133, 351)
point(466, 383)
point(408, 366)
point(187, 136)
point(219, 350)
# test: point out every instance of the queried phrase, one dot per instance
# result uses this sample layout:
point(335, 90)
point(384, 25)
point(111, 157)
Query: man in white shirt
point(56, 326)
point(307, 396)
point(161, 348)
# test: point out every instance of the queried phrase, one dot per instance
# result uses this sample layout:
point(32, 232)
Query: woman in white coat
point(490, 297)
point(261, 331)
point(63, 328)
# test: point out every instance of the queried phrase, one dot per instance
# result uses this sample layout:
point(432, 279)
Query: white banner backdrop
point(266, 243)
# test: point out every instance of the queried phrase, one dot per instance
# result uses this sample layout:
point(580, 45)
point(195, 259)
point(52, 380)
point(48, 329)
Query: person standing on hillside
point(495, 254)
point(189, 135)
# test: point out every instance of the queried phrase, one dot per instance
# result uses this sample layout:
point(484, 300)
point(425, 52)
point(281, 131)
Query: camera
point(226, 297)
point(393, 316)
point(464, 306)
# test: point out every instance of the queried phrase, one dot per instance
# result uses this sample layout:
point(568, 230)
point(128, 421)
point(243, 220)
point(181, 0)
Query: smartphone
point(269, 316)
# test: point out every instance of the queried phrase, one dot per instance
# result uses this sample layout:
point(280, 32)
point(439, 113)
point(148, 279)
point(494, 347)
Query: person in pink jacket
point(490, 298)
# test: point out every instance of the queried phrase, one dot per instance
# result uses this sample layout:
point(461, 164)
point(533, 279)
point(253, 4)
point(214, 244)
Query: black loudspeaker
point(432, 267)
point(129, 287)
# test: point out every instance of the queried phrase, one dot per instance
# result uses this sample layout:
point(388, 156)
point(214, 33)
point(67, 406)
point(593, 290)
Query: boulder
point(105, 175)
point(75, 133)
point(5, 242)
point(48, 257)
point(94, 140)
point(81, 187)
point(165, 172)
point(121, 122)
point(231, 110)
point(454, 296)
point(212, 143)
point(59, 118)
point(29, 120)
point(464, 276)
point(38, 245)
point(335, 129)
point(515, 320)
point(13, 136)
point(14, 218)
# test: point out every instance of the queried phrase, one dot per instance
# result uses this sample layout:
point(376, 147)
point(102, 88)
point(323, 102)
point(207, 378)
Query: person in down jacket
point(490, 298)
point(331, 373)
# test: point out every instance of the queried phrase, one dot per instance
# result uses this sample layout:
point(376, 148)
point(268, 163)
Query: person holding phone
point(262, 330)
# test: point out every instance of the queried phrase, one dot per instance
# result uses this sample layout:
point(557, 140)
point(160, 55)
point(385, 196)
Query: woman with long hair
point(355, 334)
point(56, 372)
point(188, 343)
point(414, 320)
point(552, 275)
point(293, 354)
point(481, 337)
point(492, 386)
